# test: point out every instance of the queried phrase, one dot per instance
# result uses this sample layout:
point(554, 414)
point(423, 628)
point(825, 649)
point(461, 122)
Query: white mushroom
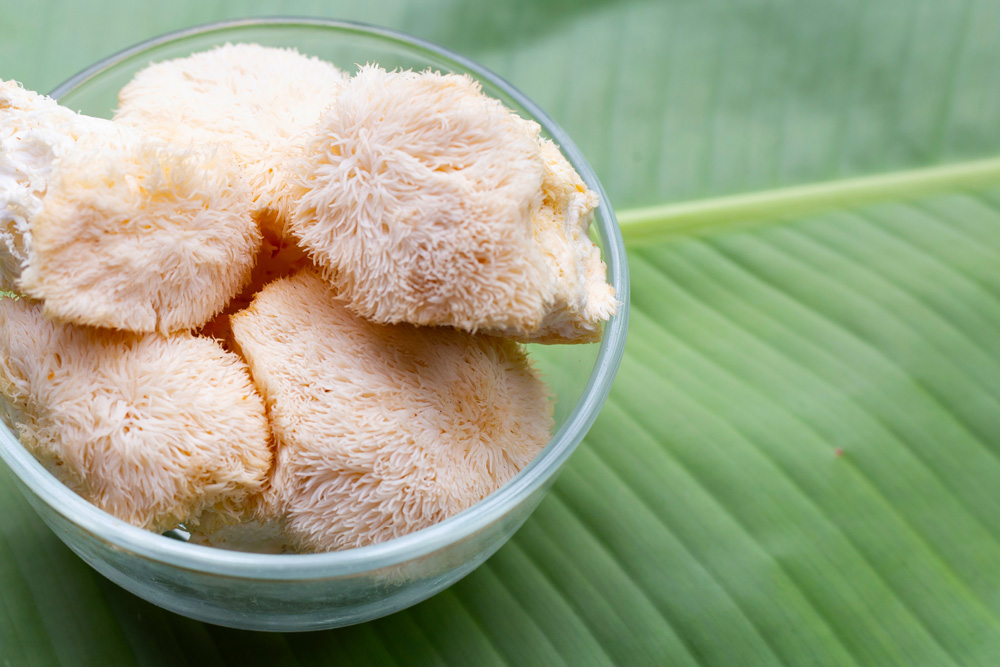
point(260, 100)
point(151, 429)
point(34, 133)
point(111, 229)
point(142, 237)
point(425, 201)
point(583, 298)
point(383, 430)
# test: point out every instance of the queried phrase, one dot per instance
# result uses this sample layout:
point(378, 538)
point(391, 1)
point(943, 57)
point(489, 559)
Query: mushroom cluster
point(271, 294)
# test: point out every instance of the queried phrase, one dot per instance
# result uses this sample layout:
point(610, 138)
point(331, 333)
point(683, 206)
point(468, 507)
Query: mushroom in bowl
point(296, 591)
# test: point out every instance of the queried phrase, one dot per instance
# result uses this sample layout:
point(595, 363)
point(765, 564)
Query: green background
point(800, 461)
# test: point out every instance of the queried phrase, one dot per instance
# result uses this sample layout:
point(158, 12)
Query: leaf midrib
point(655, 223)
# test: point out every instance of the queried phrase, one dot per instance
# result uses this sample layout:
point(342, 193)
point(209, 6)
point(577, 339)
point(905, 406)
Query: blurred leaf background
point(800, 461)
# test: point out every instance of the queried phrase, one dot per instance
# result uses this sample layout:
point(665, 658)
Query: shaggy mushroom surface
point(152, 429)
point(34, 133)
point(112, 229)
point(148, 238)
point(383, 430)
point(361, 258)
point(426, 201)
point(259, 100)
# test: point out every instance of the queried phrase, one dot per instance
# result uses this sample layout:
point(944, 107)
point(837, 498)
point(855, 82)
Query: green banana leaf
point(800, 461)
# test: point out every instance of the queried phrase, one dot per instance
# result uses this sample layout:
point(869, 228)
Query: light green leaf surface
point(800, 461)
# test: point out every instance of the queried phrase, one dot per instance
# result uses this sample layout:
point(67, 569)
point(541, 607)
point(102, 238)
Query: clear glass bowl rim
point(285, 567)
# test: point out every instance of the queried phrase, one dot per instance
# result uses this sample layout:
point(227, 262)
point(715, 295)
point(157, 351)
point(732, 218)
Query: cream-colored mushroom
point(115, 230)
point(425, 201)
point(260, 100)
point(142, 237)
point(151, 429)
point(34, 133)
point(583, 299)
point(383, 430)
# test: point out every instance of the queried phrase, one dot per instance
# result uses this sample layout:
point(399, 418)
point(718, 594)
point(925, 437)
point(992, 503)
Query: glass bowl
point(288, 592)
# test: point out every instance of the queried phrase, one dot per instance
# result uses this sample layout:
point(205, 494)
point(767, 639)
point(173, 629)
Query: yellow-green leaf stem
point(655, 223)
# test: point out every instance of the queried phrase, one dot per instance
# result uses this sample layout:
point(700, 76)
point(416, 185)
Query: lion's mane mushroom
point(151, 429)
point(583, 299)
point(382, 430)
point(425, 201)
point(142, 237)
point(112, 229)
point(260, 100)
point(34, 133)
